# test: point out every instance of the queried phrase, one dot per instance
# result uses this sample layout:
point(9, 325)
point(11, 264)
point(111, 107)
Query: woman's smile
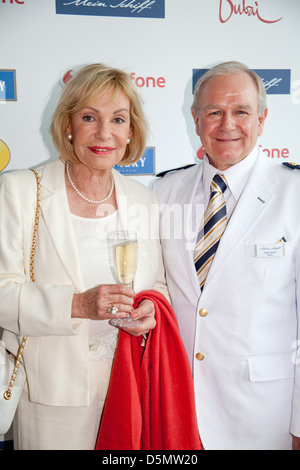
point(102, 150)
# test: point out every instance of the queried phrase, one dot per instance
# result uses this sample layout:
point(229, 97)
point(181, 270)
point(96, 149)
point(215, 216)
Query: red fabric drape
point(150, 402)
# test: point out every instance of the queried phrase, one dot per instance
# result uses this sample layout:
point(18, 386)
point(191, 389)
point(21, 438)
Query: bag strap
point(8, 393)
point(36, 224)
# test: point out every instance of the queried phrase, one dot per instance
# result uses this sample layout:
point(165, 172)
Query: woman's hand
point(94, 303)
point(146, 314)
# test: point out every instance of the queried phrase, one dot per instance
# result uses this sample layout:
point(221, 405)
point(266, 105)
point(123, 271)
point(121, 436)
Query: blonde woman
point(98, 123)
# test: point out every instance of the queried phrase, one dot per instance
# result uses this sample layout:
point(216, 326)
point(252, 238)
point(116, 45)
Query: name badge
point(274, 250)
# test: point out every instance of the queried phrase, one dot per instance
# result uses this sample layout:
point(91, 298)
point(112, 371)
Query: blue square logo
point(8, 87)
point(145, 165)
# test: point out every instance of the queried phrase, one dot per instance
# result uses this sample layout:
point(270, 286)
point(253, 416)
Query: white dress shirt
point(236, 177)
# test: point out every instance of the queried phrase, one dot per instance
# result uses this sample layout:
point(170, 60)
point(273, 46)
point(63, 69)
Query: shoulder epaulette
point(293, 166)
point(164, 173)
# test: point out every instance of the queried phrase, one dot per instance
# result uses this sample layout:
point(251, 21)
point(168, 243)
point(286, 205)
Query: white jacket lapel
point(185, 198)
point(55, 211)
point(253, 202)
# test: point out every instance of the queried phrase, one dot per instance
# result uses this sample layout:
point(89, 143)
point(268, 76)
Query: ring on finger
point(112, 310)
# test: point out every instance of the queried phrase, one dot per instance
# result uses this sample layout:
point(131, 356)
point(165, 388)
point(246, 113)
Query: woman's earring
point(128, 141)
point(69, 137)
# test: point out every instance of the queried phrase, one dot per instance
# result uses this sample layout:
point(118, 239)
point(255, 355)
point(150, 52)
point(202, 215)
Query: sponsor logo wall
point(164, 45)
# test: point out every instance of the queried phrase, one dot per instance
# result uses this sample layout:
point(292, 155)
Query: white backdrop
point(38, 46)
point(41, 46)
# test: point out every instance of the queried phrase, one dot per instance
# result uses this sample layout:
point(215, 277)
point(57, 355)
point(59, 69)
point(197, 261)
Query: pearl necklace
point(85, 198)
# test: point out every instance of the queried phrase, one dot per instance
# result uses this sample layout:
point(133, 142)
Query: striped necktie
point(212, 229)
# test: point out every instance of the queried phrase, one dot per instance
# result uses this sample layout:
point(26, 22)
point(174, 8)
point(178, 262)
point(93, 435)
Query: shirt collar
point(236, 176)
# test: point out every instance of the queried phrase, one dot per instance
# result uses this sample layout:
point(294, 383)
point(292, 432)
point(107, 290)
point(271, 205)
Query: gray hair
point(228, 68)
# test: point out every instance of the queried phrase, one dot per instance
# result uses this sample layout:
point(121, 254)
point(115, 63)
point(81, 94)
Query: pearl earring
point(128, 141)
point(69, 136)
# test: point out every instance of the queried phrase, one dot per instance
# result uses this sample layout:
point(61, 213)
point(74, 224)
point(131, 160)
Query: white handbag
point(12, 372)
point(9, 399)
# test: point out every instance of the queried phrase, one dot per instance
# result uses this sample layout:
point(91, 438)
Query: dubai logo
point(4, 155)
point(228, 8)
point(129, 8)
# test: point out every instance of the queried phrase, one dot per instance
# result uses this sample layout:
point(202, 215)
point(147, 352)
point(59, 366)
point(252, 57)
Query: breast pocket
point(271, 367)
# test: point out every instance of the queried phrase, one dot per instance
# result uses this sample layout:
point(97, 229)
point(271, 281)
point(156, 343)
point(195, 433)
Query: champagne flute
point(125, 254)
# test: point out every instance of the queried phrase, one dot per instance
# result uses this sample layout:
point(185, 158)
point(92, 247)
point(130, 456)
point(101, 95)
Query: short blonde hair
point(79, 90)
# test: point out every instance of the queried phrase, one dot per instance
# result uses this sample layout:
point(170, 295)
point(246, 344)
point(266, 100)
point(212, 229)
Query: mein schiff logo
point(277, 82)
point(129, 8)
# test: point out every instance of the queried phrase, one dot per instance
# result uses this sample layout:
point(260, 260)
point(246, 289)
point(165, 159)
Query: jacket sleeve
point(161, 283)
point(295, 424)
point(34, 309)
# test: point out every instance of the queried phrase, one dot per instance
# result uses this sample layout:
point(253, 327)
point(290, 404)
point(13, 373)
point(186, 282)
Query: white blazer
point(244, 384)
point(56, 354)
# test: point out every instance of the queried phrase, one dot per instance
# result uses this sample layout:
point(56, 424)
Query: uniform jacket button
point(199, 357)
point(203, 312)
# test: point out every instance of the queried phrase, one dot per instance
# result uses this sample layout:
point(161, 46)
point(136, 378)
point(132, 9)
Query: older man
point(234, 282)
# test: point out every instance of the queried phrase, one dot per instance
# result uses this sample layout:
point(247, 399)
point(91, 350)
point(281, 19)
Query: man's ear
point(261, 121)
point(196, 120)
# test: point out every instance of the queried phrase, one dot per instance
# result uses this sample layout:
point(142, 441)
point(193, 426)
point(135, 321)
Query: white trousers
point(39, 427)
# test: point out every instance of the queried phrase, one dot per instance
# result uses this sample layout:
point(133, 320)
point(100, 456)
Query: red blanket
point(150, 402)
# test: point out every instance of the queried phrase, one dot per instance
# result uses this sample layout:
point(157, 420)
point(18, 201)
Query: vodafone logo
point(69, 74)
point(271, 153)
point(276, 152)
point(148, 82)
point(18, 2)
point(66, 77)
point(140, 81)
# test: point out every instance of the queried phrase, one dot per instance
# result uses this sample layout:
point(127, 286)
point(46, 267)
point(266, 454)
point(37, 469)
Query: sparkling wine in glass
point(125, 247)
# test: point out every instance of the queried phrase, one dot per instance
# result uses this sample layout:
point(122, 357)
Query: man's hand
point(296, 443)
